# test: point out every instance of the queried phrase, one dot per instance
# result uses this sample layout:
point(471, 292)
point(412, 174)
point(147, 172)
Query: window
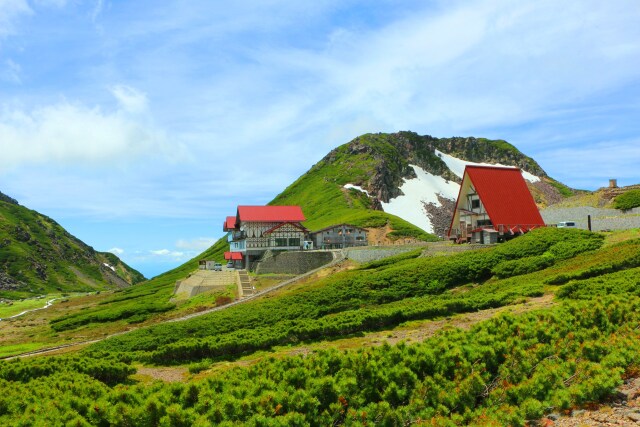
point(484, 222)
point(294, 241)
point(281, 241)
point(475, 204)
point(359, 237)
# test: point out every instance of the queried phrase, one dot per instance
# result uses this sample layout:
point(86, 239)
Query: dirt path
point(166, 374)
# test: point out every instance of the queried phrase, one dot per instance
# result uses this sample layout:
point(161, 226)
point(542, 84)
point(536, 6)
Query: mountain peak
point(410, 176)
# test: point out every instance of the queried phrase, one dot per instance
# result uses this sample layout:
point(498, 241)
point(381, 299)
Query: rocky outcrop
point(440, 215)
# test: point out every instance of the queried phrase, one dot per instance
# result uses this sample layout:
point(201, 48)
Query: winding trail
point(47, 305)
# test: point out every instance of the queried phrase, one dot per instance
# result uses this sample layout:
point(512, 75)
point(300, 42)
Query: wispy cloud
point(130, 99)
point(10, 11)
point(11, 72)
point(166, 253)
point(116, 251)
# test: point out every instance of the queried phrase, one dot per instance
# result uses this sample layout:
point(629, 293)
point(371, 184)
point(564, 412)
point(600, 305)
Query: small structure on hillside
point(204, 264)
point(339, 236)
point(494, 204)
point(256, 229)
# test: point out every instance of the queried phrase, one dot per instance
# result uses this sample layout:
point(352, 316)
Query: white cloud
point(67, 133)
point(166, 253)
point(116, 251)
point(199, 244)
point(130, 99)
point(161, 252)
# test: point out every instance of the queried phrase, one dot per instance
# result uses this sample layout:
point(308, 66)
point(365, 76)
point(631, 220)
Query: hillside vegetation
point(504, 371)
point(39, 257)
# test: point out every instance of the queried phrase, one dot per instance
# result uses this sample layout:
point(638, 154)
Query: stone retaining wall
point(297, 262)
point(371, 253)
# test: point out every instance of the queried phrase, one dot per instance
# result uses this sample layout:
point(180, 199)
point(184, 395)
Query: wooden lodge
point(494, 204)
point(256, 229)
point(339, 236)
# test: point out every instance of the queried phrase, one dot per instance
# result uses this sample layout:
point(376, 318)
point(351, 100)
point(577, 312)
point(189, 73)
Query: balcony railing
point(237, 235)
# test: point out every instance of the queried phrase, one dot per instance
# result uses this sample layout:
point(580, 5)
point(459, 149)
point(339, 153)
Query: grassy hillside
point(504, 371)
point(324, 200)
point(39, 256)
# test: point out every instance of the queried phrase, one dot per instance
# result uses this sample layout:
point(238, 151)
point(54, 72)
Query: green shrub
point(627, 200)
point(522, 266)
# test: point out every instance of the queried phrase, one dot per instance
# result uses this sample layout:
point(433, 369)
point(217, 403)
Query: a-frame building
point(494, 204)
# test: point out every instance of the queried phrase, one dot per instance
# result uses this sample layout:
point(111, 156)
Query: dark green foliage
point(517, 267)
point(621, 282)
point(504, 371)
point(392, 259)
point(135, 313)
point(627, 200)
point(569, 249)
point(106, 370)
point(618, 257)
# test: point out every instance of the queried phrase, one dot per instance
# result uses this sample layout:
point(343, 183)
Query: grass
point(10, 350)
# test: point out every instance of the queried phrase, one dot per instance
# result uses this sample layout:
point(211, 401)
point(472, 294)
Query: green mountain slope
point(38, 256)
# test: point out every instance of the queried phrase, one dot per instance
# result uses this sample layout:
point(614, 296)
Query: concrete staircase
point(244, 282)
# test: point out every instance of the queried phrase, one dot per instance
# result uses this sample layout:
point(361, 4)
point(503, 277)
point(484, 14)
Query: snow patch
point(355, 187)
point(457, 166)
point(423, 189)
point(109, 266)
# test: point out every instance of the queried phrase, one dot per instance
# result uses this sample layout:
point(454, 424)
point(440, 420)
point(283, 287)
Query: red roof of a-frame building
point(505, 196)
point(270, 213)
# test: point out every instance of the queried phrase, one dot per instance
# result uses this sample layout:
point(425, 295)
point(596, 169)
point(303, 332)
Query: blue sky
point(139, 125)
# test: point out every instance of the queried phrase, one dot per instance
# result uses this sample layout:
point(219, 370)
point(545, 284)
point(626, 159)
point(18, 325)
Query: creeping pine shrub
point(566, 250)
point(521, 266)
point(627, 200)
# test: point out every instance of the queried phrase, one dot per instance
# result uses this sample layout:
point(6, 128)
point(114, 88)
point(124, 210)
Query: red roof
point(505, 196)
point(236, 256)
point(229, 223)
point(270, 213)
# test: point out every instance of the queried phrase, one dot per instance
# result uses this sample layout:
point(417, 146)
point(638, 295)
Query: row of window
point(283, 241)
